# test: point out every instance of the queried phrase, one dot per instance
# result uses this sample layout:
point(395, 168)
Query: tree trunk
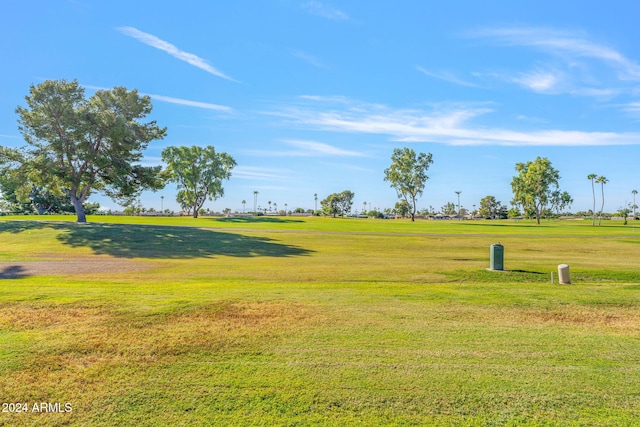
point(601, 208)
point(413, 207)
point(593, 213)
point(79, 208)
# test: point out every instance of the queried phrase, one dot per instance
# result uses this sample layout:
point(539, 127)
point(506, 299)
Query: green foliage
point(624, 212)
point(448, 209)
point(22, 196)
point(492, 208)
point(199, 172)
point(338, 203)
point(375, 214)
point(401, 208)
point(77, 145)
point(408, 175)
point(535, 188)
point(560, 200)
point(514, 213)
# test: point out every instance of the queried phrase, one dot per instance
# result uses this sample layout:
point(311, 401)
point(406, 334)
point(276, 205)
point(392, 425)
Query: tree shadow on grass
point(158, 242)
point(13, 272)
point(528, 272)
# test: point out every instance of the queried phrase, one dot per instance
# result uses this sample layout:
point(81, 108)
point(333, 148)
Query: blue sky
point(313, 96)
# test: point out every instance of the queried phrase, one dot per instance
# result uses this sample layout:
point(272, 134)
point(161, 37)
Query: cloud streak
point(450, 126)
point(197, 104)
point(189, 58)
point(325, 11)
point(576, 65)
point(308, 58)
point(312, 148)
point(563, 43)
point(306, 148)
point(261, 174)
point(446, 76)
point(539, 80)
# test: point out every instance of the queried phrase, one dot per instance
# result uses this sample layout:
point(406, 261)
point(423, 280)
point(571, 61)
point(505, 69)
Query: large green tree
point(536, 188)
point(77, 145)
point(198, 172)
point(408, 175)
point(338, 203)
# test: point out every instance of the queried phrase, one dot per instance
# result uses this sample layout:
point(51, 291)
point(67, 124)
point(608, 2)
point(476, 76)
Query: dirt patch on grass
point(19, 269)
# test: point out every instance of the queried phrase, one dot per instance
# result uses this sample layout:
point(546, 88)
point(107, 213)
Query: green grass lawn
point(318, 321)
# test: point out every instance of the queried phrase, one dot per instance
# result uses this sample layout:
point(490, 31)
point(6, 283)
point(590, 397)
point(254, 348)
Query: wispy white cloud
point(189, 58)
point(308, 58)
point(313, 148)
point(197, 104)
point(337, 99)
point(632, 108)
point(451, 125)
point(305, 148)
point(563, 43)
point(597, 92)
point(576, 65)
point(324, 10)
point(261, 174)
point(530, 119)
point(539, 80)
point(446, 76)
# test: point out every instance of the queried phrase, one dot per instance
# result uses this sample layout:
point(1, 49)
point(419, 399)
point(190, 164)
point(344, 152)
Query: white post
point(563, 274)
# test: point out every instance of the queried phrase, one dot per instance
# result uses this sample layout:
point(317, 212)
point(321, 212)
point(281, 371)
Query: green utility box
point(497, 257)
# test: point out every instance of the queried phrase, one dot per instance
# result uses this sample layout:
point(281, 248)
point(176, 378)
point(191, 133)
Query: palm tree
point(602, 180)
point(255, 203)
point(592, 177)
point(244, 202)
point(315, 197)
point(634, 192)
